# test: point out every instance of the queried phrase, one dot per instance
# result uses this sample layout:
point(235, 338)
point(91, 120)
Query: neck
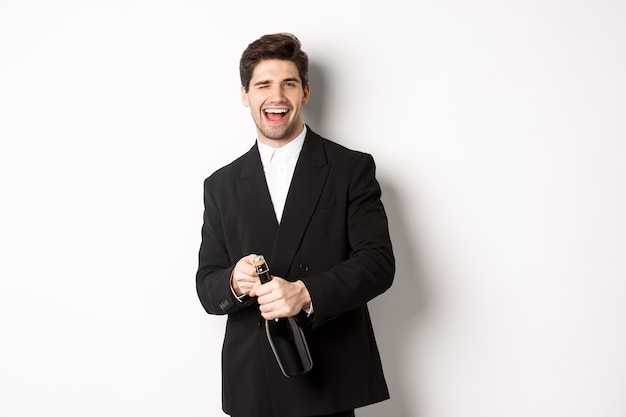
point(278, 143)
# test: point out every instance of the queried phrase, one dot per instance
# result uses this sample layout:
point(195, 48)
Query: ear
point(306, 93)
point(244, 97)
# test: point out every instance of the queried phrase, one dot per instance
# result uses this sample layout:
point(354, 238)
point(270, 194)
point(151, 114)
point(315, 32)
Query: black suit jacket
point(334, 237)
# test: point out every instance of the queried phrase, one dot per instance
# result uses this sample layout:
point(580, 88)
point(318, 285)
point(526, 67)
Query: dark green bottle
point(285, 335)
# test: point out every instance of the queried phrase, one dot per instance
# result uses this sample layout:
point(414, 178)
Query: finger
point(253, 289)
point(275, 310)
point(266, 288)
point(263, 296)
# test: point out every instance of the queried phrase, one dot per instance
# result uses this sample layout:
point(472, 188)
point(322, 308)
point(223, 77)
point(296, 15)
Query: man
point(313, 209)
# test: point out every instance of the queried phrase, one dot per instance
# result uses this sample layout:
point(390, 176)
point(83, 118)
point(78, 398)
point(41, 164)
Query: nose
point(277, 91)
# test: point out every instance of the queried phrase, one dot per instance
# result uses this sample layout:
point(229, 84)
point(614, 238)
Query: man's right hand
point(244, 277)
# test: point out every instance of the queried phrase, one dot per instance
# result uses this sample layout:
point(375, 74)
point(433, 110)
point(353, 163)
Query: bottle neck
point(262, 270)
point(264, 276)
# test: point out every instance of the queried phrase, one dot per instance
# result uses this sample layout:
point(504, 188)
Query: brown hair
point(283, 46)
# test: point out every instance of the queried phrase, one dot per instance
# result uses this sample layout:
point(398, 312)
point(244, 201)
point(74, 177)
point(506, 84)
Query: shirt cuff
point(239, 298)
point(308, 310)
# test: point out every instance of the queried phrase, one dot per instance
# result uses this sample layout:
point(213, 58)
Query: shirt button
point(304, 267)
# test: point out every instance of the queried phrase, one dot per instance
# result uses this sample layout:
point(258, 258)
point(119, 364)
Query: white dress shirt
point(279, 165)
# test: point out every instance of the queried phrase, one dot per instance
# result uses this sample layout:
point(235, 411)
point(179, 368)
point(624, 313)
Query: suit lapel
point(304, 192)
point(258, 213)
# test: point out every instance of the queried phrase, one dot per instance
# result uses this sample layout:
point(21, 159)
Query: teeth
point(275, 111)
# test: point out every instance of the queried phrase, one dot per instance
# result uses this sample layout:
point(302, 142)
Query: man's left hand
point(281, 298)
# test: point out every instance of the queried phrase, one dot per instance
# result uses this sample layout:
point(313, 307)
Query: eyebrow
point(266, 82)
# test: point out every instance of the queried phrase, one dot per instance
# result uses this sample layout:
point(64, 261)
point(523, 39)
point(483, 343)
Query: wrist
point(305, 297)
point(234, 287)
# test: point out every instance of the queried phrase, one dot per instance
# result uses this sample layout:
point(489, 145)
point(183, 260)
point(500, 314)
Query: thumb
point(253, 292)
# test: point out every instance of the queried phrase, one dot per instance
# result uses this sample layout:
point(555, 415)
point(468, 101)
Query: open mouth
point(275, 115)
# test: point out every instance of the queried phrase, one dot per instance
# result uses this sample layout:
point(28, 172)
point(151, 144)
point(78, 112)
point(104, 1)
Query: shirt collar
point(292, 148)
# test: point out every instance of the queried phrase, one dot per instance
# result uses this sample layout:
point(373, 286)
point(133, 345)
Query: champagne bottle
point(285, 335)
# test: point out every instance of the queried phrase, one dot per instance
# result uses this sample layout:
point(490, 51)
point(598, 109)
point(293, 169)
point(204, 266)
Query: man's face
point(275, 98)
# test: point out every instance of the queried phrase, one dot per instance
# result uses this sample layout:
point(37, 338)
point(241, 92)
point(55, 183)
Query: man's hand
point(244, 277)
point(281, 298)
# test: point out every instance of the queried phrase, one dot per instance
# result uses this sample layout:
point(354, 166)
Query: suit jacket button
point(304, 267)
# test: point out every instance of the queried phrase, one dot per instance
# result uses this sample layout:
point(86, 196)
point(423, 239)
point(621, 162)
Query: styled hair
point(283, 46)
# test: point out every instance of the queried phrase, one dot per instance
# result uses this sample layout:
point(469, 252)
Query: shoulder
point(232, 170)
point(334, 151)
point(235, 167)
point(328, 144)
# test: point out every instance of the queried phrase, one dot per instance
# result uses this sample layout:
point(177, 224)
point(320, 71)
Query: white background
point(499, 131)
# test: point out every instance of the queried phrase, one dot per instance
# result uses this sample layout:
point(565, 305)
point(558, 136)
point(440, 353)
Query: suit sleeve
point(369, 268)
point(214, 263)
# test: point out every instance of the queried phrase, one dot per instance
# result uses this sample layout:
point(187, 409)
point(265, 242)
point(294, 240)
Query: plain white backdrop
point(499, 131)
